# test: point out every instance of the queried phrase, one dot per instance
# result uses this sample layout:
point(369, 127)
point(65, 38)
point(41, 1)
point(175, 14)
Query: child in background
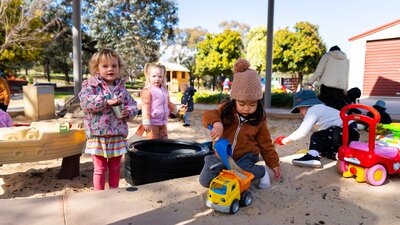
point(327, 140)
point(380, 106)
point(5, 119)
point(156, 106)
point(105, 132)
point(225, 86)
point(187, 103)
point(5, 93)
point(352, 97)
point(242, 121)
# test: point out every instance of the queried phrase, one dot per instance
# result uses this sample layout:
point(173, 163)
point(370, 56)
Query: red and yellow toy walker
point(368, 162)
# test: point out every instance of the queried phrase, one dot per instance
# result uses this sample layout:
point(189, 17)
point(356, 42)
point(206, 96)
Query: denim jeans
point(213, 166)
point(186, 118)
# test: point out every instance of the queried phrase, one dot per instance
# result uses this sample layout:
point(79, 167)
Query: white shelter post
point(77, 47)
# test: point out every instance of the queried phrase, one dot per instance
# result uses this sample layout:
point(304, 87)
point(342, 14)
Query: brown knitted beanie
point(246, 84)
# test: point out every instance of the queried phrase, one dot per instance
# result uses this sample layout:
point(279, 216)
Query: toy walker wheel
point(376, 175)
point(342, 166)
point(246, 199)
point(234, 207)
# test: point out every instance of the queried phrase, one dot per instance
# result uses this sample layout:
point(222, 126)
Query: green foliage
point(133, 28)
point(23, 31)
point(138, 84)
point(210, 98)
point(256, 48)
point(298, 52)
point(183, 47)
point(282, 100)
point(217, 53)
point(278, 100)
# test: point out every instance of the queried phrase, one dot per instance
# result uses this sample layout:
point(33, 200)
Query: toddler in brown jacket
point(242, 121)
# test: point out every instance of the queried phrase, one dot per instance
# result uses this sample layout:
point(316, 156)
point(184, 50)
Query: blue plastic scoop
point(223, 149)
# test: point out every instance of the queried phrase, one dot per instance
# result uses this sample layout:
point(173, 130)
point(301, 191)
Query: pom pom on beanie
point(241, 65)
point(246, 85)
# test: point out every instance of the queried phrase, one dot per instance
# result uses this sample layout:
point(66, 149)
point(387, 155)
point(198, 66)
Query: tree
point(134, 28)
point(22, 29)
point(183, 48)
point(298, 52)
point(57, 54)
point(256, 48)
point(217, 53)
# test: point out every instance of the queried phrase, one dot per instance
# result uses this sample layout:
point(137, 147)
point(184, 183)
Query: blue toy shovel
point(223, 148)
point(224, 151)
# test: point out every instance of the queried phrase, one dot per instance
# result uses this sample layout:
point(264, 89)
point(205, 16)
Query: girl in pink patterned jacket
point(105, 132)
point(156, 105)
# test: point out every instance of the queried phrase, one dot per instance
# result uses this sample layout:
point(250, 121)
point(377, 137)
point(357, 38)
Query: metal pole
point(268, 67)
point(77, 47)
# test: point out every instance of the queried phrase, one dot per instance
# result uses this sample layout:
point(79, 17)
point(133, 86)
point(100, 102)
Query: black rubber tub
point(149, 161)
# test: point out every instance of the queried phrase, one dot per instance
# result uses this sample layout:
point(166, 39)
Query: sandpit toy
point(229, 189)
point(392, 139)
point(40, 141)
point(368, 162)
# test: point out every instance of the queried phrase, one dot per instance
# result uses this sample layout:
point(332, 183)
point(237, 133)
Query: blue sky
point(338, 20)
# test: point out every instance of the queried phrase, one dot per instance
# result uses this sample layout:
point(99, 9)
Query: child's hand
point(184, 108)
point(285, 141)
point(147, 128)
point(125, 113)
point(278, 140)
point(277, 172)
point(282, 140)
point(112, 102)
point(216, 132)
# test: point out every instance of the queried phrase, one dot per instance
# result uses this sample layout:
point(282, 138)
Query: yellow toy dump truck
point(229, 190)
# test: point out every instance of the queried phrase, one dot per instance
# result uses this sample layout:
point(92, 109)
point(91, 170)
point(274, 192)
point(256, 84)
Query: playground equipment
point(368, 162)
point(40, 141)
point(229, 189)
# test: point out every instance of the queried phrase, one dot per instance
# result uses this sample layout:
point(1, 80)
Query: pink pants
point(100, 170)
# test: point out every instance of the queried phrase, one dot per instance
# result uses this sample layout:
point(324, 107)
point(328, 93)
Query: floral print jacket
point(100, 119)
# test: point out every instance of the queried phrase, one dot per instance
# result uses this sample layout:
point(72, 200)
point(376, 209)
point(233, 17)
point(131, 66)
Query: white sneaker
point(264, 182)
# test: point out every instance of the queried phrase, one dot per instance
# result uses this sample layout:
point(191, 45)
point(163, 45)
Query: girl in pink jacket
point(106, 131)
point(156, 105)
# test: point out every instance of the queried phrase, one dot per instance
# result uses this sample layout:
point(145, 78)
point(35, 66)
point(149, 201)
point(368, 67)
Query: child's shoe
point(264, 182)
point(308, 161)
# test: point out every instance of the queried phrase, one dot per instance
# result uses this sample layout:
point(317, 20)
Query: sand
point(302, 196)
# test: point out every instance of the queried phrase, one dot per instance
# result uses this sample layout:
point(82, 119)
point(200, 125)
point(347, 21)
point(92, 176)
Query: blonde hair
point(102, 55)
point(160, 66)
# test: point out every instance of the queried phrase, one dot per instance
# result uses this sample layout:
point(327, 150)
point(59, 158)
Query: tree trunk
point(66, 76)
point(300, 83)
point(214, 82)
point(46, 68)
